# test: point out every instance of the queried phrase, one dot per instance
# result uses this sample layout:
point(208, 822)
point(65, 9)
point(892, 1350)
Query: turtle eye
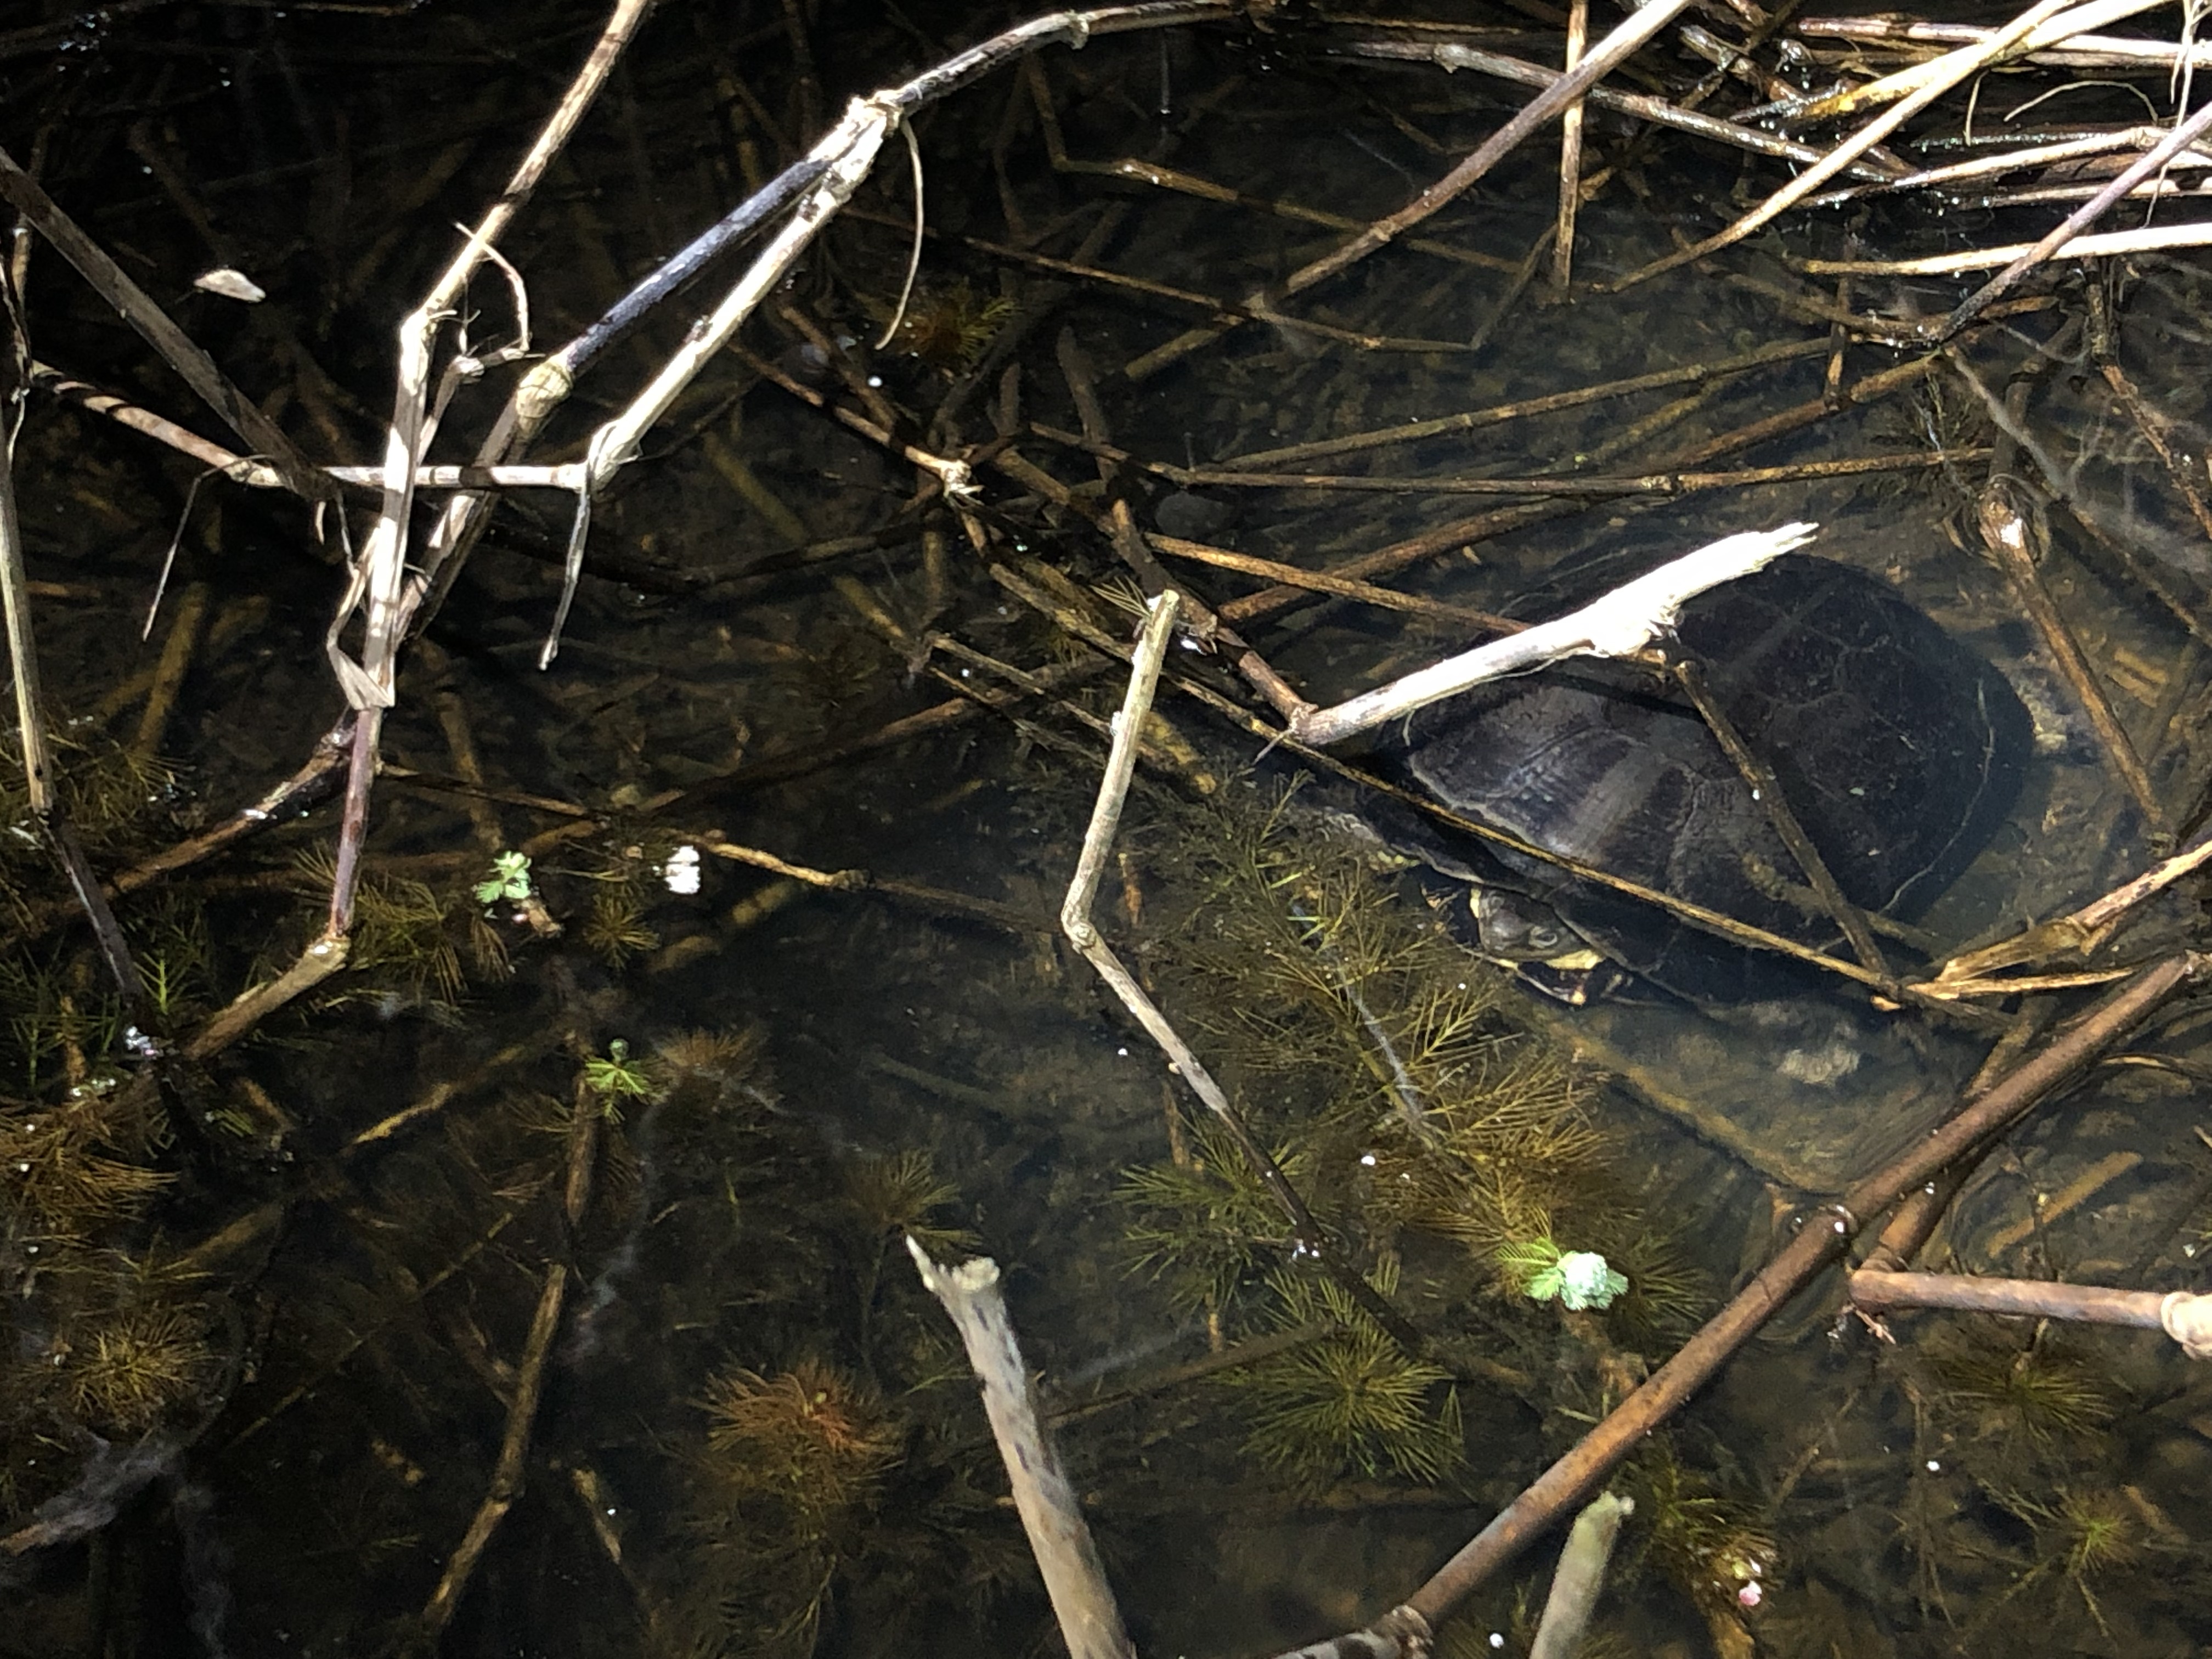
point(1546, 939)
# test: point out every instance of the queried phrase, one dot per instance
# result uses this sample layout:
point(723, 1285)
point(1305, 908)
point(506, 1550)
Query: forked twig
point(1075, 921)
point(1616, 624)
point(506, 1480)
point(378, 590)
point(2080, 931)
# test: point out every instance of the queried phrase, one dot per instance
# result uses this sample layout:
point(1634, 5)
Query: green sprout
point(617, 1078)
point(510, 879)
point(1579, 1279)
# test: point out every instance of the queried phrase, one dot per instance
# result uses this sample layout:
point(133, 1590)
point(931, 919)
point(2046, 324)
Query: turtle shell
point(1898, 749)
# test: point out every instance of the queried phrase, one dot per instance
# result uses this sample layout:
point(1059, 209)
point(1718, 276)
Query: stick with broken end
point(1580, 1576)
point(2184, 1317)
point(1082, 1601)
point(1083, 933)
point(1621, 621)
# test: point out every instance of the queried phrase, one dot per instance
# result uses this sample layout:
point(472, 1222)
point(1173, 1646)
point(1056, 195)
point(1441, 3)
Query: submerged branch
point(2184, 1317)
point(1060, 1538)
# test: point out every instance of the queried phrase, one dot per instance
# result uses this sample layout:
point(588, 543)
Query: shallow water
point(1953, 1492)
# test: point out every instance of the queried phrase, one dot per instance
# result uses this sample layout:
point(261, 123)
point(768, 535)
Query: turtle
point(1898, 749)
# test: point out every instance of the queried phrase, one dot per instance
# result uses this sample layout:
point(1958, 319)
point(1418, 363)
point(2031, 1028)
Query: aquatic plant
point(1304, 962)
point(614, 930)
point(1353, 1399)
point(890, 1197)
point(809, 1435)
point(615, 1078)
point(172, 952)
point(1576, 1279)
point(896, 1195)
point(2085, 1537)
point(76, 1166)
point(408, 938)
point(125, 1371)
point(1667, 1294)
point(1711, 1545)
point(1293, 946)
point(1206, 1227)
point(2035, 1395)
point(793, 1464)
point(400, 927)
point(111, 793)
point(509, 879)
point(726, 1058)
point(55, 1015)
point(1939, 416)
point(947, 326)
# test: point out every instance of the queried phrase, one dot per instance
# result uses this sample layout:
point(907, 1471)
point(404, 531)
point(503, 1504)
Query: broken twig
point(1082, 1601)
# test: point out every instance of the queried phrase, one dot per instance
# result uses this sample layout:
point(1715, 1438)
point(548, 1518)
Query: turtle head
point(1528, 936)
point(1515, 927)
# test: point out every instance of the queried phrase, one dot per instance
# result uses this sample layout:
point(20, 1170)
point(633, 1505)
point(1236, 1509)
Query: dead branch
point(2184, 134)
point(507, 1478)
point(237, 412)
point(377, 589)
point(1929, 82)
point(1618, 624)
point(1060, 1538)
point(1075, 921)
point(2184, 1317)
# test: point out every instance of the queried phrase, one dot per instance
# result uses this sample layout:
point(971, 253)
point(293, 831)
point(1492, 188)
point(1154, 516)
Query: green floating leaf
point(509, 879)
point(1586, 1281)
point(615, 1077)
point(1578, 1279)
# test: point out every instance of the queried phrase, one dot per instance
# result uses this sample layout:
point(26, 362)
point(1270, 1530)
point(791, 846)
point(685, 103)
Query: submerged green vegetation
point(1442, 1143)
point(684, 982)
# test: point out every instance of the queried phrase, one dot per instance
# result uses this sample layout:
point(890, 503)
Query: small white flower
point(680, 872)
